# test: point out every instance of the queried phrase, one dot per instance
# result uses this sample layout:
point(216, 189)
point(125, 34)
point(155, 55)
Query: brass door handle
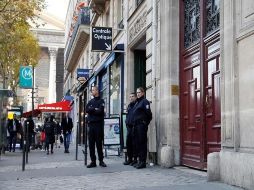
point(207, 99)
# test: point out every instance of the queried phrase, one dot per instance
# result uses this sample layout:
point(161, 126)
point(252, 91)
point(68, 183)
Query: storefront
point(109, 78)
point(110, 82)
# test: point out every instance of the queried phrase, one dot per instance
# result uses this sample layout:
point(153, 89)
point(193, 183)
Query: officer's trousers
point(129, 142)
point(95, 137)
point(141, 139)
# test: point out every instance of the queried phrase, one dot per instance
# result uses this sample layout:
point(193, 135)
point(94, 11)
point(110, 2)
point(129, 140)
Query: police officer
point(95, 119)
point(131, 153)
point(142, 116)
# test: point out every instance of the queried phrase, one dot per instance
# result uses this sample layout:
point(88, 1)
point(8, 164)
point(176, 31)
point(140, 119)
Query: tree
point(13, 11)
point(18, 46)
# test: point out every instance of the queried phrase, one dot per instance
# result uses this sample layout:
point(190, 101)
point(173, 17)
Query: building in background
point(50, 69)
point(193, 57)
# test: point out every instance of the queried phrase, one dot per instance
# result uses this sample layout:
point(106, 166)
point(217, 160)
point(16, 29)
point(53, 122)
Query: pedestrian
point(142, 116)
point(43, 139)
point(29, 124)
point(67, 126)
point(58, 131)
point(95, 120)
point(131, 146)
point(13, 126)
point(49, 128)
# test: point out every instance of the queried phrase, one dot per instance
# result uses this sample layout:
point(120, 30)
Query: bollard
point(27, 142)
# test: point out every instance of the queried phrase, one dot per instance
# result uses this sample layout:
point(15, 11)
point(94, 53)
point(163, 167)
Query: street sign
point(25, 77)
point(83, 74)
point(101, 38)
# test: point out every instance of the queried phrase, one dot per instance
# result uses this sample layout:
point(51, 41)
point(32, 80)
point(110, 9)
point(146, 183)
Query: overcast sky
point(57, 8)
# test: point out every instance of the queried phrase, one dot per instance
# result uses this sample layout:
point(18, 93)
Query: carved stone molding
point(137, 26)
point(53, 51)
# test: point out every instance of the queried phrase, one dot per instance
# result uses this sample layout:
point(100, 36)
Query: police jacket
point(129, 116)
point(142, 112)
point(95, 110)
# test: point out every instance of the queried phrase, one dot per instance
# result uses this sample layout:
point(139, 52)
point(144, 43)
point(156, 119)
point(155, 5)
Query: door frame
point(201, 47)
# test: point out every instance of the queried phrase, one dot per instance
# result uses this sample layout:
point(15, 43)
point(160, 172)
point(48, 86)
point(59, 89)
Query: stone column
point(52, 75)
point(169, 132)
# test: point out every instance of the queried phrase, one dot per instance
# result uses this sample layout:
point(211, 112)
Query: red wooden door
point(199, 81)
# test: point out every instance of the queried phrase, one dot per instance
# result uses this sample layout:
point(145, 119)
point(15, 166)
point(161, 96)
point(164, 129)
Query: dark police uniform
point(142, 116)
point(131, 146)
point(95, 120)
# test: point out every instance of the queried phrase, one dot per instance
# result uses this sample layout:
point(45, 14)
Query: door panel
point(212, 98)
point(191, 109)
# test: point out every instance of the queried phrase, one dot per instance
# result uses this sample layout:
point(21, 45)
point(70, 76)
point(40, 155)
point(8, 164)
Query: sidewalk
point(62, 171)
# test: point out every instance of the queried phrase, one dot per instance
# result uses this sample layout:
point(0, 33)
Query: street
point(62, 171)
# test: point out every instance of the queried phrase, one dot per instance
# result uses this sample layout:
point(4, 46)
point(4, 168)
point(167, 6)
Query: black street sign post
point(101, 38)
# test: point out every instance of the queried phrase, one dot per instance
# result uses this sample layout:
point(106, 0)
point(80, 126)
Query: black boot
point(102, 164)
point(127, 162)
point(91, 165)
point(134, 162)
point(141, 165)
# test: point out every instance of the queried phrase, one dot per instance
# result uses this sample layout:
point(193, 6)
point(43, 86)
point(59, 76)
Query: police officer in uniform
point(142, 116)
point(95, 120)
point(131, 153)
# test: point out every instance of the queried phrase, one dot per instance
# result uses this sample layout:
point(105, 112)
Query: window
point(115, 98)
point(191, 22)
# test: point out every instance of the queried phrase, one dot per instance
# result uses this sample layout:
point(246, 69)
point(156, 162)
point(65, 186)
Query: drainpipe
point(154, 89)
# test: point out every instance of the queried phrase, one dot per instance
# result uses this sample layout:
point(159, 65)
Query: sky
point(57, 8)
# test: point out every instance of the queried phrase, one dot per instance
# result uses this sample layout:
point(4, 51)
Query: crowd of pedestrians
point(43, 137)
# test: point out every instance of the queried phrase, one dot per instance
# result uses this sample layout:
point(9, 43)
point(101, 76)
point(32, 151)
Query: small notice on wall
point(175, 90)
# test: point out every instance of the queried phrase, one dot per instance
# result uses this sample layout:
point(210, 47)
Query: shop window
point(103, 88)
point(115, 98)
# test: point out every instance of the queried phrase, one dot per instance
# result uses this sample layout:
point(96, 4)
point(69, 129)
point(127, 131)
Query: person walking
point(67, 126)
point(95, 120)
point(58, 132)
point(142, 116)
point(13, 126)
point(131, 146)
point(49, 128)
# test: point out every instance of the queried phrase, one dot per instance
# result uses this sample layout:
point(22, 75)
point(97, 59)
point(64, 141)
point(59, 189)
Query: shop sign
point(83, 74)
point(101, 39)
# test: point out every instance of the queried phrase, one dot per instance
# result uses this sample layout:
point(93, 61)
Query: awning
point(68, 98)
point(63, 106)
point(29, 113)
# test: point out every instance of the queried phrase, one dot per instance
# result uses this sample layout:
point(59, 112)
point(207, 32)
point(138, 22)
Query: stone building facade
point(194, 59)
point(49, 72)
